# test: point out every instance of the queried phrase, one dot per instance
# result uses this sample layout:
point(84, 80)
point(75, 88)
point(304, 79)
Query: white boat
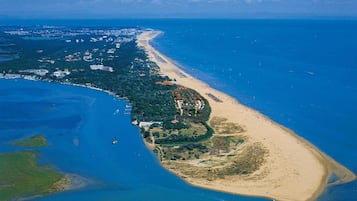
point(114, 141)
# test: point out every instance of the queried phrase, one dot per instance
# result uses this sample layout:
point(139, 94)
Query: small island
point(34, 141)
point(23, 177)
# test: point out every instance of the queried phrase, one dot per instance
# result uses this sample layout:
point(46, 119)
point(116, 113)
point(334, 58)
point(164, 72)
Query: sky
point(97, 9)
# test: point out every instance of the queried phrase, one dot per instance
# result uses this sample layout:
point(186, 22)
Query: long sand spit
point(294, 169)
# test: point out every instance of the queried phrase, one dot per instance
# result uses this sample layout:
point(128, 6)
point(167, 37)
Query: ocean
point(300, 73)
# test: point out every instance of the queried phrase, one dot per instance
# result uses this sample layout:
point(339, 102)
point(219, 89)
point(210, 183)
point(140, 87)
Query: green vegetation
point(21, 176)
point(225, 143)
point(186, 151)
point(34, 141)
point(246, 162)
point(134, 77)
point(191, 132)
point(136, 80)
point(223, 127)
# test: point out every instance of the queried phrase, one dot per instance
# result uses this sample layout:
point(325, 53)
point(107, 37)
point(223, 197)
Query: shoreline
point(294, 169)
point(36, 79)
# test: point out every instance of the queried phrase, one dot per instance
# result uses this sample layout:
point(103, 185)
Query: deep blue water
point(80, 124)
point(5, 59)
point(300, 73)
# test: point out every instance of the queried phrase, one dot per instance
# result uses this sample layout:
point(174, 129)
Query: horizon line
point(280, 17)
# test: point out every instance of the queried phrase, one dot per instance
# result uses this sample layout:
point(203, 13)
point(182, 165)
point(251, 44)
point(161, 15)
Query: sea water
point(79, 124)
point(300, 73)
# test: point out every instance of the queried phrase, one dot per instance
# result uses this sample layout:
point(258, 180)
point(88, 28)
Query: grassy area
point(194, 129)
point(21, 176)
point(34, 141)
point(222, 126)
point(246, 162)
point(226, 143)
point(192, 132)
point(191, 129)
point(187, 151)
point(249, 160)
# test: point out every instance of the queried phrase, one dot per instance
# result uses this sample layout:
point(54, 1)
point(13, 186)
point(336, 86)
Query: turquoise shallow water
point(80, 124)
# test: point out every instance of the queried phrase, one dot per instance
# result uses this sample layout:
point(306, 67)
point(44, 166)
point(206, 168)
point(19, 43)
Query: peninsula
point(272, 162)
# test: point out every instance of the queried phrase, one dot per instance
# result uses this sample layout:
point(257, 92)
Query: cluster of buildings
point(75, 35)
point(39, 72)
point(187, 102)
point(73, 57)
point(46, 60)
point(112, 40)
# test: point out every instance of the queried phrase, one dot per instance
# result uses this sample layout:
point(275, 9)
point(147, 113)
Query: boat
point(114, 141)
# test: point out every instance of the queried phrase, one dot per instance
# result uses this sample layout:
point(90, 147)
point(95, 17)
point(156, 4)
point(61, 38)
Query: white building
point(144, 124)
point(61, 73)
point(101, 67)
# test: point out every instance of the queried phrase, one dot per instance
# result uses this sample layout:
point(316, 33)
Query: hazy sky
point(175, 8)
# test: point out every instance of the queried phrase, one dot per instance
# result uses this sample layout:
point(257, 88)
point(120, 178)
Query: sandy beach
point(293, 168)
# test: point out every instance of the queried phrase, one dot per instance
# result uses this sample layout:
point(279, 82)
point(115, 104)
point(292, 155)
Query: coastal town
point(87, 47)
